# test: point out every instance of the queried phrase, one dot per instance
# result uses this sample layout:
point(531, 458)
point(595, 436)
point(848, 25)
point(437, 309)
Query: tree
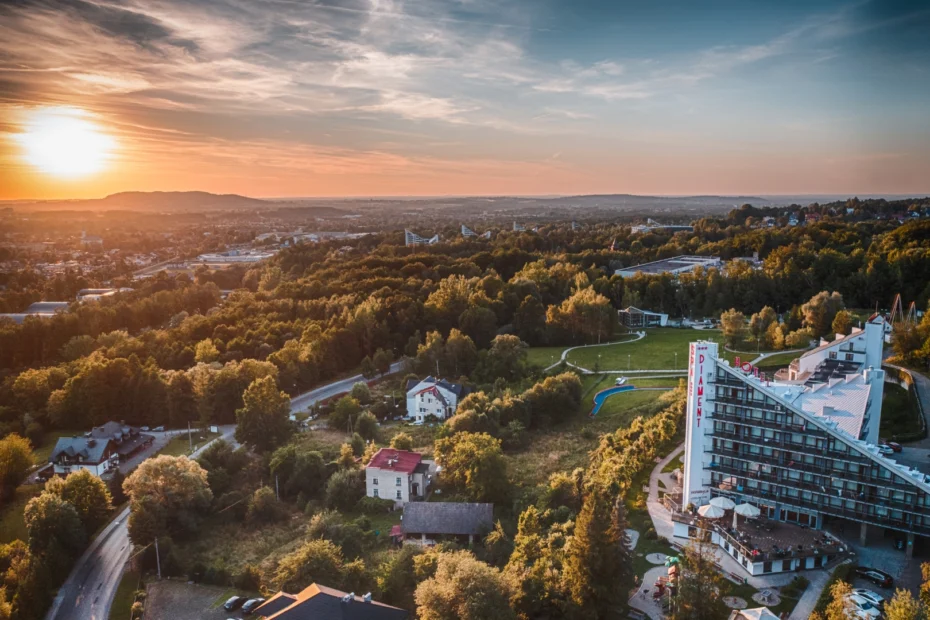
point(480, 324)
point(264, 419)
point(166, 491)
point(299, 471)
point(54, 527)
point(366, 425)
point(367, 368)
point(820, 311)
point(460, 353)
point(115, 487)
point(799, 339)
point(206, 352)
point(903, 606)
point(760, 322)
point(842, 322)
point(396, 579)
point(15, 462)
point(345, 488)
point(598, 564)
point(529, 321)
point(89, 496)
point(402, 441)
point(463, 588)
point(182, 400)
point(474, 465)
point(506, 358)
point(700, 586)
point(264, 507)
point(361, 392)
point(382, 361)
point(840, 606)
point(733, 324)
point(344, 413)
point(317, 561)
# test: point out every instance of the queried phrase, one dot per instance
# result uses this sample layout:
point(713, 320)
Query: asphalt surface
point(88, 592)
point(302, 401)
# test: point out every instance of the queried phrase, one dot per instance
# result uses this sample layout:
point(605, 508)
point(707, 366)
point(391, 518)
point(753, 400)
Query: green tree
point(361, 392)
point(182, 400)
point(299, 471)
point(344, 413)
point(733, 324)
point(903, 606)
point(366, 425)
point(166, 491)
point(263, 420)
point(474, 465)
point(88, 494)
point(463, 588)
point(15, 462)
point(402, 441)
point(115, 487)
point(206, 352)
point(760, 322)
point(820, 311)
point(506, 358)
point(382, 362)
point(840, 606)
point(345, 488)
point(317, 561)
point(842, 322)
point(368, 368)
point(264, 507)
point(700, 586)
point(396, 578)
point(529, 321)
point(479, 324)
point(460, 353)
point(598, 564)
point(54, 527)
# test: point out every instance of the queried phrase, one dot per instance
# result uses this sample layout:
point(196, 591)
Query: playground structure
point(899, 316)
point(601, 396)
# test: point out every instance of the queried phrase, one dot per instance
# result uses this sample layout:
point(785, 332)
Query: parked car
point(885, 450)
point(234, 602)
point(894, 446)
point(159, 429)
point(251, 605)
point(144, 428)
point(863, 608)
point(873, 597)
point(620, 381)
point(879, 578)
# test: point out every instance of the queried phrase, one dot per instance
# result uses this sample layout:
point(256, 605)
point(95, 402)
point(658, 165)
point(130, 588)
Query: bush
point(366, 425)
point(250, 579)
point(651, 534)
point(374, 505)
point(137, 610)
point(796, 587)
point(345, 488)
point(402, 441)
point(361, 392)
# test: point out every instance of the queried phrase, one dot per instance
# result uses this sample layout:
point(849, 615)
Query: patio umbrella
point(747, 510)
point(711, 512)
point(723, 502)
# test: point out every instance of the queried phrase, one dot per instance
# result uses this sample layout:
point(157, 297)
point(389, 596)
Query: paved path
point(89, 589)
point(805, 606)
point(302, 402)
point(639, 336)
point(642, 599)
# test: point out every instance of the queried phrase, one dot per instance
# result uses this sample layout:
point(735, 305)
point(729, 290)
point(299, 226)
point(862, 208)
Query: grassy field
point(656, 351)
point(125, 595)
point(543, 356)
point(779, 360)
point(12, 525)
point(180, 444)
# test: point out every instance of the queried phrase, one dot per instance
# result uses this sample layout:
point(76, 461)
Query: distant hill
point(156, 201)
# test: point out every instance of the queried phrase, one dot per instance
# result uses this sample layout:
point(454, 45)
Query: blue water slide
point(601, 396)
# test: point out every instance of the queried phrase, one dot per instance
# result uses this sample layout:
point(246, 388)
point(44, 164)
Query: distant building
point(412, 238)
point(468, 232)
point(634, 318)
point(90, 239)
point(674, 266)
point(323, 603)
point(398, 475)
point(427, 523)
point(518, 227)
point(98, 451)
point(433, 397)
point(234, 256)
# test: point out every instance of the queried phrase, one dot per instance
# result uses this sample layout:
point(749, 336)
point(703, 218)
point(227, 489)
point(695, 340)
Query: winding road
point(89, 590)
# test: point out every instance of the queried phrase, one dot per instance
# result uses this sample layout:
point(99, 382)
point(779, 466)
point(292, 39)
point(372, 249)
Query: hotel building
point(802, 448)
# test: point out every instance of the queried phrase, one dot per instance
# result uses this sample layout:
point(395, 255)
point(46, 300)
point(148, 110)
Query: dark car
point(251, 605)
point(895, 446)
point(879, 578)
point(234, 602)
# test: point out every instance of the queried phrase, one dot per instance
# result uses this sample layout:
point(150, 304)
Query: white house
point(398, 475)
point(433, 397)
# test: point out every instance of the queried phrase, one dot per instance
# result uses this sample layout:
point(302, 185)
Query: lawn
point(125, 595)
point(180, 444)
point(544, 356)
point(899, 412)
point(654, 352)
point(12, 525)
point(777, 361)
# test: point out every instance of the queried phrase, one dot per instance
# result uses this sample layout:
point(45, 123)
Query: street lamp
point(676, 360)
point(628, 362)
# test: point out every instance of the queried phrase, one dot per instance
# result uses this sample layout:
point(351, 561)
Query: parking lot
point(179, 600)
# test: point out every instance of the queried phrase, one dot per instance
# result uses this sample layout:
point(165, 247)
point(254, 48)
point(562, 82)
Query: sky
point(274, 98)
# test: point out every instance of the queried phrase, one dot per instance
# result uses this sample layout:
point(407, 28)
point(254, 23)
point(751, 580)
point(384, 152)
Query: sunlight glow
point(65, 142)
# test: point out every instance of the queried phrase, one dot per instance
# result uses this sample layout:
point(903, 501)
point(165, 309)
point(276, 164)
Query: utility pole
point(190, 439)
point(277, 488)
point(437, 368)
point(157, 558)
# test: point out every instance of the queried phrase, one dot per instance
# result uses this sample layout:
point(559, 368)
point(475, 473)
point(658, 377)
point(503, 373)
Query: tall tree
point(733, 324)
point(264, 422)
point(182, 400)
point(820, 311)
point(474, 465)
point(463, 588)
point(15, 461)
point(87, 493)
point(166, 491)
point(700, 585)
point(903, 606)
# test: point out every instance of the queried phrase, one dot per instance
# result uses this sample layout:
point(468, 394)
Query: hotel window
point(832, 355)
point(849, 357)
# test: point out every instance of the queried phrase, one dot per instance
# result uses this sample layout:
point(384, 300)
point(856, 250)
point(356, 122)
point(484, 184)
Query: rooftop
point(317, 602)
point(673, 265)
point(447, 518)
point(396, 460)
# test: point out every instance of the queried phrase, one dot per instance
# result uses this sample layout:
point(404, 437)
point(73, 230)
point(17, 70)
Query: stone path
point(642, 599)
point(805, 606)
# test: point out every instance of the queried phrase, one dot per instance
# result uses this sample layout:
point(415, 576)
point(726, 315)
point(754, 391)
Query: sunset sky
point(377, 97)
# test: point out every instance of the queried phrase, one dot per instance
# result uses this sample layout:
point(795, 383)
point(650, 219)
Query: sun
point(65, 142)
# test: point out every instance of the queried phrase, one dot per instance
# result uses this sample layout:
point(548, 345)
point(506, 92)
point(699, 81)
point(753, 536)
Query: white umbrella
point(711, 512)
point(747, 510)
point(723, 502)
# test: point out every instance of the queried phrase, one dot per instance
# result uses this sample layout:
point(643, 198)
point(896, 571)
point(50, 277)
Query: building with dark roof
point(398, 475)
point(317, 602)
point(427, 522)
point(634, 318)
point(98, 451)
point(431, 397)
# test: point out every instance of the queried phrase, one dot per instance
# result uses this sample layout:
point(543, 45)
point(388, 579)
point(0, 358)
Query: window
point(375, 493)
point(399, 495)
point(832, 355)
point(849, 357)
point(374, 481)
point(398, 483)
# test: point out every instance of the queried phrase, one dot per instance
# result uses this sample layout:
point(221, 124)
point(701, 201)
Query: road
point(302, 401)
point(89, 589)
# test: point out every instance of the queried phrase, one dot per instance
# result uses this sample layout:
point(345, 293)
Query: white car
point(620, 381)
point(873, 597)
point(863, 609)
point(885, 450)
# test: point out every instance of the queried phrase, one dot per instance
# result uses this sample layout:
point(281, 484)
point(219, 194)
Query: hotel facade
point(801, 448)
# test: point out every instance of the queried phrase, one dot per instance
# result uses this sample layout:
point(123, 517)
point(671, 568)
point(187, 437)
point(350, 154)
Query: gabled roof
point(447, 518)
point(396, 460)
point(89, 449)
point(456, 388)
point(318, 602)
